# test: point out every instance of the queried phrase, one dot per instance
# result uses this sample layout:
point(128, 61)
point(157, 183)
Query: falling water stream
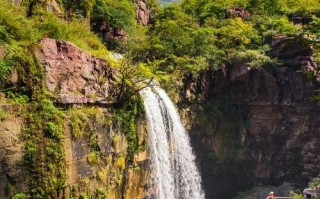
point(174, 172)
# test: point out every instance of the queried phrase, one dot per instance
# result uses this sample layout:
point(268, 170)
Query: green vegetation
point(197, 34)
point(3, 114)
point(186, 37)
point(44, 156)
point(80, 121)
point(296, 195)
point(19, 196)
point(127, 116)
point(315, 182)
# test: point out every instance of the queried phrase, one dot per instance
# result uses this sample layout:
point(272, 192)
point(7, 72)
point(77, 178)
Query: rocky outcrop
point(255, 126)
point(300, 19)
point(75, 76)
point(54, 7)
point(289, 48)
point(142, 12)
point(238, 12)
point(109, 34)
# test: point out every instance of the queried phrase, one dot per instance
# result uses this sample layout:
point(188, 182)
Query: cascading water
point(174, 172)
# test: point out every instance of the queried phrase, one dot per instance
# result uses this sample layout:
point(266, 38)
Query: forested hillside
point(71, 72)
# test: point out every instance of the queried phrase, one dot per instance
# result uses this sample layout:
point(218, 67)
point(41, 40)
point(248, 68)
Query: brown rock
point(76, 76)
point(289, 47)
point(276, 138)
point(238, 72)
point(17, 2)
point(109, 33)
point(238, 12)
point(11, 154)
point(300, 19)
point(3, 51)
point(12, 77)
point(54, 7)
point(142, 12)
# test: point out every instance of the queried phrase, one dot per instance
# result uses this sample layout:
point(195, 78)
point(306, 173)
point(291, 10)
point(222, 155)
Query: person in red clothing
point(270, 196)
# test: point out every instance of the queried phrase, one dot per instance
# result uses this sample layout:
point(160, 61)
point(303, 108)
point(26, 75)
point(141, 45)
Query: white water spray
point(174, 172)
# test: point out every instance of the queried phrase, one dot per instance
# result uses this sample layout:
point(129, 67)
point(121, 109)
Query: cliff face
point(11, 151)
point(99, 157)
point(255, 126)
point(75, 76)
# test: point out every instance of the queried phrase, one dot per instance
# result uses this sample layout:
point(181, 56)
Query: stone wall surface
point(75, 76)
point(255, 126)
point(11, 150)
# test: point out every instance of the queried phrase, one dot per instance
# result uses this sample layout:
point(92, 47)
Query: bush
point(19, 196)
point(3, 114)
point(304, 7)
point(270, 26)
point(120, 163)
point(315, 182)
point(236, 33)
point(103, 175)
point(53, 130)
point(296, 195)
point(94, 157)
point(255, 58)
point(4, 71)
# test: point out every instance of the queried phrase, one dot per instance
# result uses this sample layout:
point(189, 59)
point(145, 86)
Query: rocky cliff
point(74, 76)
point(103, 155)
point(255, 126)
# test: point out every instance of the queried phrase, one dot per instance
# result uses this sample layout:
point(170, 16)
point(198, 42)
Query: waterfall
point(174, 172)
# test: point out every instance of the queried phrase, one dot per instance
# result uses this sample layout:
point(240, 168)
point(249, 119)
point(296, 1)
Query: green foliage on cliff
point(115, 13)
point(127, 117)
point(44, 157)
point(196, 34)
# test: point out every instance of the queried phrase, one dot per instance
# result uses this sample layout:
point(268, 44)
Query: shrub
point(19, 196)
point(120, 163)
point(3, 114)
point(296, 195)
point(255, 58)
point(103, 175)
point(53, 130)
point(116, 13)
point(315, 182)
point(4, 70)
point(237, 33)
point(94, 157)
